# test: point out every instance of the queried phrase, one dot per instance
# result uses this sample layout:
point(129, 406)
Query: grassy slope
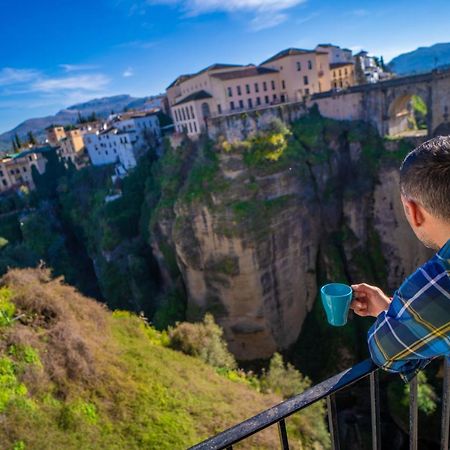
point(74, 375)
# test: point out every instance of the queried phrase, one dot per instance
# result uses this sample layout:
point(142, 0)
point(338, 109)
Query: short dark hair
point(425, 176)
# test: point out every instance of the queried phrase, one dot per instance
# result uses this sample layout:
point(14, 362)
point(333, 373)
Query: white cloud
point(77, 67)
point(267, 13)
point(83, 82)
point(129, 72)
point(10, 76)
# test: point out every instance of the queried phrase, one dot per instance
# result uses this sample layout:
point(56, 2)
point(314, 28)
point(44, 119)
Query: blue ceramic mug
point(336, 299)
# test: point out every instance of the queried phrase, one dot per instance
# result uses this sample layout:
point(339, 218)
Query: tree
point(31, 138)
point(14, 146)
point(18, 143)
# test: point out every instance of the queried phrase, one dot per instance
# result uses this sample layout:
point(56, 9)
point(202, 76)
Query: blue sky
point(57, 53)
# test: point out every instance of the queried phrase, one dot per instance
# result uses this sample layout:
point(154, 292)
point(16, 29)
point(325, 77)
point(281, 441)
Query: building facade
point(16, 170)
point(342, 75)
point(71, 148)
point(336, 54)
point(302, 72)
point(128, 136)
point(54, 135)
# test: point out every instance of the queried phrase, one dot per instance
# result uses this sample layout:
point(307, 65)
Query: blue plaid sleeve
point(416, 327)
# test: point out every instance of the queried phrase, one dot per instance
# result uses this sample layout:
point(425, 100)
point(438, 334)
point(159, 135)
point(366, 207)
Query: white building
point(128, 136)
point(336, 55)
point(372, 72)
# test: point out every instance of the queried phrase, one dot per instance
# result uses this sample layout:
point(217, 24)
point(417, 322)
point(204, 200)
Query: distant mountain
point(424, 59)
point(101, 106)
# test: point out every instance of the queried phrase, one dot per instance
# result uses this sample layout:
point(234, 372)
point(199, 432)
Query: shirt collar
point(444, 252)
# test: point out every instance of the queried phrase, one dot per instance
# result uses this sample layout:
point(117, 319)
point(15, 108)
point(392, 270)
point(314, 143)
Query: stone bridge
point(385, 104)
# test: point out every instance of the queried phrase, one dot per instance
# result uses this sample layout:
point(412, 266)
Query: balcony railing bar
point(288, 407)
point(445, 429)
point(332, 422)
point(375, 410)
point(327, 389)
point(413, 414)
point(283, 435)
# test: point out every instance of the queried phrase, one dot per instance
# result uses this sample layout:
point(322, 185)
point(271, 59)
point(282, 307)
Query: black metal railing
point(328, 389)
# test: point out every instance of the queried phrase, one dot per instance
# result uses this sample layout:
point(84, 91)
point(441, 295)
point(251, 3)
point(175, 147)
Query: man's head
point(425, 190)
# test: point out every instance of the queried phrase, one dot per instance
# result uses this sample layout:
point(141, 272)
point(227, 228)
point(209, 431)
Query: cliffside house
point(127, 136)
point(16, 169)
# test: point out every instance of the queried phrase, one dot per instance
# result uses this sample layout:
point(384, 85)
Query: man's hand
point(369, 300)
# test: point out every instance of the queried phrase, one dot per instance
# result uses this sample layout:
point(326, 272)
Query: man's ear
point(414, 211)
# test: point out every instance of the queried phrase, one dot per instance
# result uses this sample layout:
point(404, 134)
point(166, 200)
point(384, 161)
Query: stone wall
point(238, 126)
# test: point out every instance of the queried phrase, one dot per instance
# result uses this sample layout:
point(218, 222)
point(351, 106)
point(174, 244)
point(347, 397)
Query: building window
point(340, 72)
point(190, 127)
point(282, 98)
point(192, 112)
point(283, 84)
point(273, 85)
point(230, 92)
point(264, 86)
point(266, 98)
point(195, 127)
point(256, 87)
point(306, 91)
point(241, 103)
point(187, 113)
point(340, 83)
point(184, 114)
point(299, 66)
point(250, 103)
point(305, 80)
point(219, 109)
point(258, 101)
point(247, 88)
point(274, 97)
point(239, 92)
point(232, 105)
point(309, 64)
point(345, 71)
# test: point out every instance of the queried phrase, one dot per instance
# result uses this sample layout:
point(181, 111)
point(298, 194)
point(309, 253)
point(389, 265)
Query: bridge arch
point(409, 114)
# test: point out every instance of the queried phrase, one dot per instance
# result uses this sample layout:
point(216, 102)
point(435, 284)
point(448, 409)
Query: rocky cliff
point(257, 225)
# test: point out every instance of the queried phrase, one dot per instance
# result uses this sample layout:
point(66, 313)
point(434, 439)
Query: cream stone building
point(55, 134)
point(16, 169)
point(219, 90)
point(302, 72)
point(342, 75)
point(71, 147)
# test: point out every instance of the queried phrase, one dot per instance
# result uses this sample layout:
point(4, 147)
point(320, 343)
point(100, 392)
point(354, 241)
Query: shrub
point(288, 381)
point(7, 308)
point(204, 340)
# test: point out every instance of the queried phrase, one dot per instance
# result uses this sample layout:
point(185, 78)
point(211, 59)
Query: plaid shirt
point(416, 326)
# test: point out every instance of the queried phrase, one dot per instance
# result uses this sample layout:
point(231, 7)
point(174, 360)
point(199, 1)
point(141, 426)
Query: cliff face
point(260, 224)
point(256, 274)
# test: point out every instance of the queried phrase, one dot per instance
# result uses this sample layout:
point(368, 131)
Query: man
point(414, 326)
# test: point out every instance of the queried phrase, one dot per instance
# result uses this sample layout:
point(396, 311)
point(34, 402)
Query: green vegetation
point(420, 111)
point(73, 373)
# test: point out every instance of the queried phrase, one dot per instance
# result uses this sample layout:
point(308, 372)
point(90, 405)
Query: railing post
point(413, 414)
point(283, 435)
point(375, 410)
point(332, 422)
point(445, 406)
